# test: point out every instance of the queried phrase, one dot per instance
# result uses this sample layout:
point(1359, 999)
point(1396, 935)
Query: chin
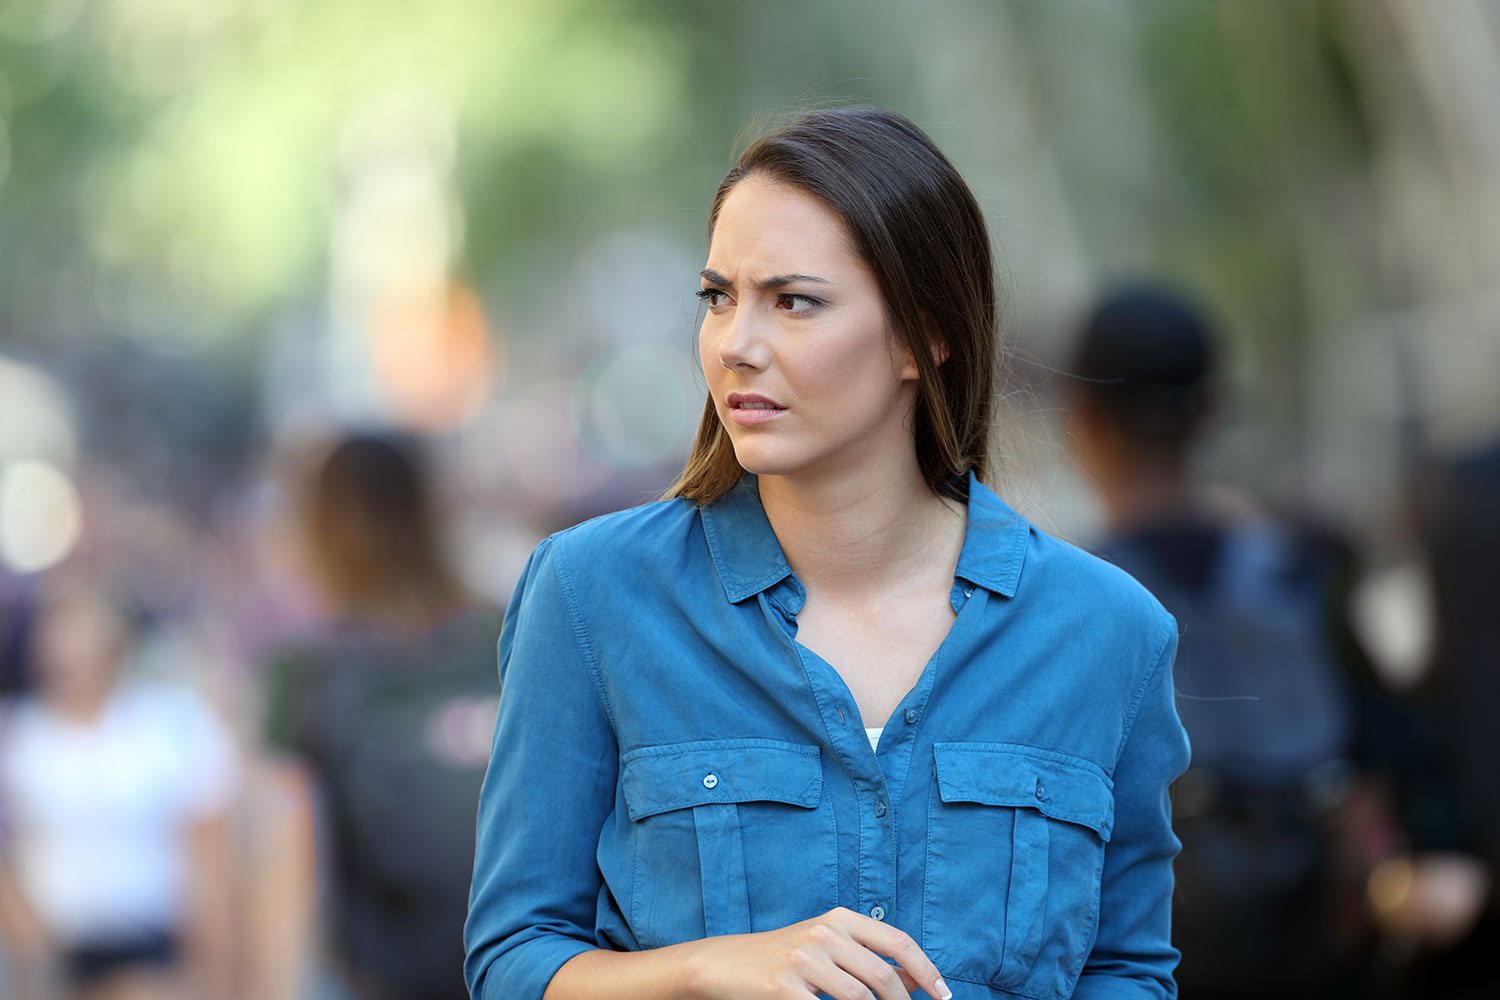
point(762, 461)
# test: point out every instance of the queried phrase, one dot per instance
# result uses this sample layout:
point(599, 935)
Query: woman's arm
point(30, 953)
point(210, 927)
point(550, 789)
point(280, 926)
point(1133, 955)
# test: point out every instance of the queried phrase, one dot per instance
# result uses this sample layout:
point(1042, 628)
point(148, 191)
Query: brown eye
point(796, 304)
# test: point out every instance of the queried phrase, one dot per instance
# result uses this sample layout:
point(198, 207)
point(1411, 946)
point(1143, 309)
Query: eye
point(714, 298)
point(797, 304)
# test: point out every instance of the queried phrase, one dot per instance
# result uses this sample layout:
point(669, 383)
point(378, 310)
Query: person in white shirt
point(115, 796)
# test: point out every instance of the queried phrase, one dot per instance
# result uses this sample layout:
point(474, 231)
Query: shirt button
point(879, 807)
point(877, 911)
point(1041, 792)
point(911, 716)
point(711, 780)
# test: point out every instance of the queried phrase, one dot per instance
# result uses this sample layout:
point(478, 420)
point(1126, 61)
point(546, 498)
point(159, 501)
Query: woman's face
point(78, 647)
point(806, 374)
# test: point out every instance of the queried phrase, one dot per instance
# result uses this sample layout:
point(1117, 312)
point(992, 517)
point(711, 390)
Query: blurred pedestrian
point(388, 706)
point(1278, 821)
point(115, 795)
point(1444, 907)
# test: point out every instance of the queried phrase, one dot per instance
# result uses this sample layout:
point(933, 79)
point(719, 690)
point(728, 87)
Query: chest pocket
point(1015, 849)
point(752, 813)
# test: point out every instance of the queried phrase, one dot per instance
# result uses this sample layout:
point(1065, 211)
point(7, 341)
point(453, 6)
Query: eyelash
point(705, 294)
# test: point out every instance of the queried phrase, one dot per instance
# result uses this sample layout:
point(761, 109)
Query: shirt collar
point(749, 558)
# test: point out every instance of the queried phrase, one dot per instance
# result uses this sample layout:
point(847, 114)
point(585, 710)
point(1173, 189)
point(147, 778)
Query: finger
point(896, 944)
point(886, 981)
point(831, 954)
point(831, 981)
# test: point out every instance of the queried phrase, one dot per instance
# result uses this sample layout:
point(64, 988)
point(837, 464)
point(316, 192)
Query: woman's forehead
point(768, 227)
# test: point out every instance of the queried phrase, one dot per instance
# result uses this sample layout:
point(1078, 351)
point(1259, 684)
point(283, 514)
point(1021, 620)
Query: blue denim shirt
point(670, 763)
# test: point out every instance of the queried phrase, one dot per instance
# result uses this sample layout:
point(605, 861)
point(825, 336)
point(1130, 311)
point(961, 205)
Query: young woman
point(832, 719)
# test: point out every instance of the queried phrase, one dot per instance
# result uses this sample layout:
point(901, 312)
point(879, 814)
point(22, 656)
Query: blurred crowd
point(241, 744)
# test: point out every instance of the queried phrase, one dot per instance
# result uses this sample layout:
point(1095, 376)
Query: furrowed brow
point(713, 277)
point(782, 280)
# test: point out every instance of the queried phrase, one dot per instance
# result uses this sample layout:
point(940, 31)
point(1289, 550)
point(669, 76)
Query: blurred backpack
point(398, 730)
point(1260, 902)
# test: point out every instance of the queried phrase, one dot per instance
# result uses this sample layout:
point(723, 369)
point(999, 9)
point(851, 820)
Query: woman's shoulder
point(651, 530)
point(1063, 576)
point(1046, 564)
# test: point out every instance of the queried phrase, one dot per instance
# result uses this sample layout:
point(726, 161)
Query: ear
point(936, 343)
point(935, 338)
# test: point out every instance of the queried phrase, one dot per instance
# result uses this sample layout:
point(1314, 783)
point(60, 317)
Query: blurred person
point(387, 705)
point(831, 718)
point(116, 796)
point(1280, 820)
point(1442, 904)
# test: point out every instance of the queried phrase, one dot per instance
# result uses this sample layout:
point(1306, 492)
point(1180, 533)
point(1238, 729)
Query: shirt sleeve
point(1133, 954)
point(212, 767)
point(549, 789)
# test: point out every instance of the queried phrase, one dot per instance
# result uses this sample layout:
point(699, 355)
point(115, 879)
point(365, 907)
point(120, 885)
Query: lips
point(748, 408)
point(751, 401)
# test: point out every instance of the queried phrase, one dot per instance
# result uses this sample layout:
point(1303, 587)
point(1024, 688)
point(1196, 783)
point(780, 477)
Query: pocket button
point(1041, 792)
point(711, 780)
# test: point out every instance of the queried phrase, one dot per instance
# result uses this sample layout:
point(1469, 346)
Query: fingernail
point(943, 992)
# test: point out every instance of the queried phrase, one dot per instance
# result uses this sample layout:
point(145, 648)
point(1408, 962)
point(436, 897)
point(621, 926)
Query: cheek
point(858, 363)
point(708, 357)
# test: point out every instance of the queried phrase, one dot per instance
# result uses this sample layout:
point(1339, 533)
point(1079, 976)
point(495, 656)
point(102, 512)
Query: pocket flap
point(1023, 777)
point(681, 775)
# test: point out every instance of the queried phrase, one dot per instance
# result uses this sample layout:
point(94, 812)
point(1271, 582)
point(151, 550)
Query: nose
point(742, 345)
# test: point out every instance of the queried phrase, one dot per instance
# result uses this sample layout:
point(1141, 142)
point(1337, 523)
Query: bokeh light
point(631, 407)
point(40, 515)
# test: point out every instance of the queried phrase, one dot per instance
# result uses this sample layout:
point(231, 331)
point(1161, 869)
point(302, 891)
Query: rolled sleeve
point(1133, 954)
point(547, 794)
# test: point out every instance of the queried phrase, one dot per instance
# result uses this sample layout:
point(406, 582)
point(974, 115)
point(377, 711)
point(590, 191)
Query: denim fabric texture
point(669, 762)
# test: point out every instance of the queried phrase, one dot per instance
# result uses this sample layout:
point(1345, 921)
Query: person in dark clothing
point(1458, 813)
point(1278, 825)
point(389, 706)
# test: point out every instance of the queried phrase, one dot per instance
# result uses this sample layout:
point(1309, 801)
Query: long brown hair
point(913, 220)
point(371, 533)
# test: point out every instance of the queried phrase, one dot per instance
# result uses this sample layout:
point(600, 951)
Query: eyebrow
point(713, 277)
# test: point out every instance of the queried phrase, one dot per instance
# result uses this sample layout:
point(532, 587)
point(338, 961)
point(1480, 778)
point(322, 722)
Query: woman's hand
point(838, 954)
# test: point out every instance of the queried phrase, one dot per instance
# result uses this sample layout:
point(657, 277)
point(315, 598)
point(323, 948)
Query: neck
point(861, 531)
point(1143, 491)
point(79, 707)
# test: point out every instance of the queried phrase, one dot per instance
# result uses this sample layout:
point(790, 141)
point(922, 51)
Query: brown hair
point(913, 220)
point(369, 528)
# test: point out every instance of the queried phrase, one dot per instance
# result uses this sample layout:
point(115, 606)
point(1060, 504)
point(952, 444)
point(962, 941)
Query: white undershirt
point(874, 735)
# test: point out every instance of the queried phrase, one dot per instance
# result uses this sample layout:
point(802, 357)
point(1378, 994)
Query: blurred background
point(231, 230)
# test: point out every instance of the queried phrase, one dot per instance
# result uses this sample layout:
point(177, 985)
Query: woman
point(115, 796)
point(381, 706)
point(831, 719)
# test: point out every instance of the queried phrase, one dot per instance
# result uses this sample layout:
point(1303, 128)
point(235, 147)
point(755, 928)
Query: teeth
point(758, 406)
